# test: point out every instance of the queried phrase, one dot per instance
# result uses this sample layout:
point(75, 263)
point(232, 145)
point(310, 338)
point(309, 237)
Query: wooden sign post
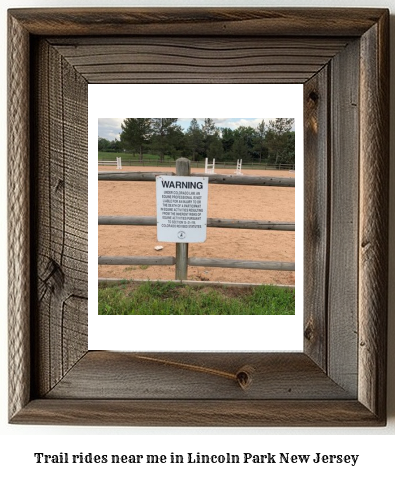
point(181, 211)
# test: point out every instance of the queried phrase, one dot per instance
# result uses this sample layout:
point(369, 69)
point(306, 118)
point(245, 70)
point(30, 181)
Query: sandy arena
point(224, 201)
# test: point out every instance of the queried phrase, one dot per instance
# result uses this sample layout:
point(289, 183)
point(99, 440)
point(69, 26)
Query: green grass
point(154, 298)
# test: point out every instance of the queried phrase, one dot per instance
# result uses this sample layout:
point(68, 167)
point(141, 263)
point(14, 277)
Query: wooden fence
point(181, 261)
point(199, 164)
point(117, 162)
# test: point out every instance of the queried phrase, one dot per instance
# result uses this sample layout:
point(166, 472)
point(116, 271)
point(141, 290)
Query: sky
point(110, 128)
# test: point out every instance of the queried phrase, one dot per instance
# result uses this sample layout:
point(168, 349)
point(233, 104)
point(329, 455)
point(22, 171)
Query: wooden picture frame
point(342, 58)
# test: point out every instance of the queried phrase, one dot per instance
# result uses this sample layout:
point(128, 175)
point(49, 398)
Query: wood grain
point(373, 227)
point(60, 199)
point(330, 22)
point(133, 60)
point(340, 53)
point(201, 413)
point(18, 218)
point(343, 236)
point(316, 214)
point(284, 376)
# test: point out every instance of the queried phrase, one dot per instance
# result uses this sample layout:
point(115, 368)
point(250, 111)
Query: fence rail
point(195, 261)
point(212, 178)
point(211, 222)
point(241, 264)
point(137, 260)
point(181, 261)
point(201, 164)
point(106, 281)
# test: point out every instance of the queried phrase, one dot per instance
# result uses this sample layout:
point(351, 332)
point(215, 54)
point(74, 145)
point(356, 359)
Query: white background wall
point(375, 446)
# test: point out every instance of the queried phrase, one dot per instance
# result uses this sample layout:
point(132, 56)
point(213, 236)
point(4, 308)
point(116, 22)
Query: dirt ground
point(225, 201)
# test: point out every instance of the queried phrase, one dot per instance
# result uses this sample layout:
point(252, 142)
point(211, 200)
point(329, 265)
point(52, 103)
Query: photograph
point(196, 216)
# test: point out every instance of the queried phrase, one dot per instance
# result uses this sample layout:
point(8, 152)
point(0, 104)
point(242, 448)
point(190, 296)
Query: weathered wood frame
point(341, 56)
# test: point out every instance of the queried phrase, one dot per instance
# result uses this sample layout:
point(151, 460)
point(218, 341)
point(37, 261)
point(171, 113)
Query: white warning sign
point(181, 203)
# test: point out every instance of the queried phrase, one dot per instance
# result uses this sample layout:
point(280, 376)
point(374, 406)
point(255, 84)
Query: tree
point(117, 146)
point(240, 148)
point(243, 143)
point(259, 140)
point(136, 133)
point(176, 142)
point(162, 129)
point(278, 139)
point(215, 149)
point(227, 142)
point(288, 152)
point(113, 146)
point(194, 138)
point(103, 144)
point(209, 131)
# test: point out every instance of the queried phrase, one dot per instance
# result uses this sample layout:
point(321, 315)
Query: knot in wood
point(244, 376)
point(309, 332)
point(313, 96)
